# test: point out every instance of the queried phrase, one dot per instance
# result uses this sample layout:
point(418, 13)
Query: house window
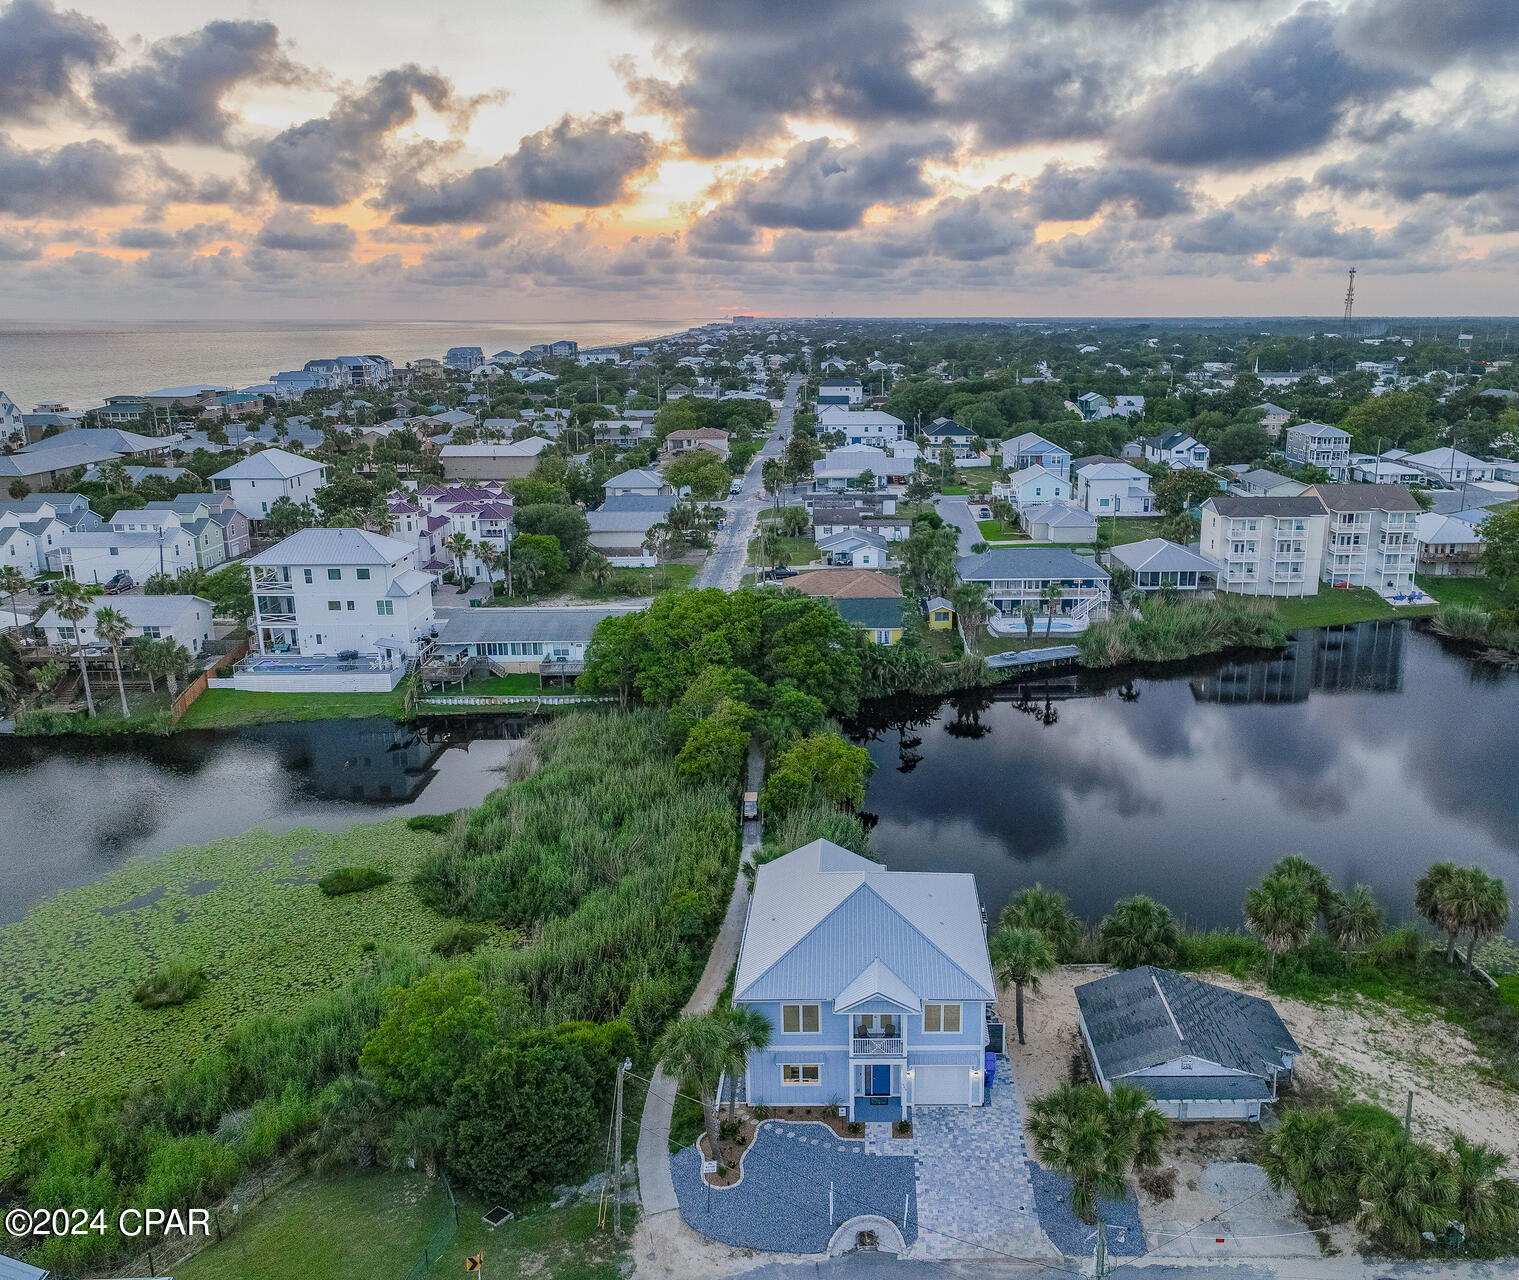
point(883, 637)
point(350, 606)
point(362, 574)
point(307, 572)
point(115, 551)
point(385, 607)
point(334, 606)
point(65, 633)
point(941, 1018)
point(799, 1019)
point(800, 1073)
point(334, 575)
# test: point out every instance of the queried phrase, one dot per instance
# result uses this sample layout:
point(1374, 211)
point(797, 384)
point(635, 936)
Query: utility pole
point(1349, 303)
point(623, 1068)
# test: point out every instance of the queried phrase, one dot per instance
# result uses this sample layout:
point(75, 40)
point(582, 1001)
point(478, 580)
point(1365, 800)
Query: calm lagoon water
point(74, 810)
point(1371, 749)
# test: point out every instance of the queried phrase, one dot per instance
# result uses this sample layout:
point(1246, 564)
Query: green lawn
point(223, 708)
point(1484, 593)
point(502, 686)
point(245, 909)
point(1333, 606)
point(356, 1226)
point(798, 550)
point(997, 531)
point(1129, 528)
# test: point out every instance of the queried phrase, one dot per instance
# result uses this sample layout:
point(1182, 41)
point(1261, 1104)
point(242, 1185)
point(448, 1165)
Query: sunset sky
point(692, 158)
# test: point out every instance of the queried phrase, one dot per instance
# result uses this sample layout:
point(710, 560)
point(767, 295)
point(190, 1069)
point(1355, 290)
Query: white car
point(736, 488)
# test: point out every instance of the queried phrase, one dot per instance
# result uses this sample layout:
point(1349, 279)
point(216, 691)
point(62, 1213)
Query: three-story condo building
point(1316, 444)
point(1265, 546)
point(1371, 536)
point(876, 985)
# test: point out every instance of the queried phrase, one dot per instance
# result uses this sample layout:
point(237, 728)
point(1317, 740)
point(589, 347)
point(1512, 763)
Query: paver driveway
point(975, 1198)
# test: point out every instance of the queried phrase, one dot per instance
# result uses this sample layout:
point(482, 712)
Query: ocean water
point(80, 363)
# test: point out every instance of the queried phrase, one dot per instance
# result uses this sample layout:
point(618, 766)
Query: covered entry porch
point(877, 1091)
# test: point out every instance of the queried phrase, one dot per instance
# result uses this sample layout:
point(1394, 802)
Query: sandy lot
point(1367, 1051)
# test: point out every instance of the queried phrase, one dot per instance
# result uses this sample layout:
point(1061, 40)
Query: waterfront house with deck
point(1015, 576)
point(342, 610)
point(185, 619)
point(876, 985)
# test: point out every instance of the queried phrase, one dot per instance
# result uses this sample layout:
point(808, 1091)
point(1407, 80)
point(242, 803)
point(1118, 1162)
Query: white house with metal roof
point(343, 610)
point(1114, 489)
point(261, 479)
point(876, 985)
point(186, 619)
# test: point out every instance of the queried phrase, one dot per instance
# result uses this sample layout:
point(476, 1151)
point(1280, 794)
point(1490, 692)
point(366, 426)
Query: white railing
point(1084, 607)
point(877, 1047)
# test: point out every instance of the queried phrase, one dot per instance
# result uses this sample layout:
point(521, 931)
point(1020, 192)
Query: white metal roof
point(269, 464)
point(334, 547)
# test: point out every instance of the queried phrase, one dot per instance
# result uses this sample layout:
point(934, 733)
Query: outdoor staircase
point(1083, 608)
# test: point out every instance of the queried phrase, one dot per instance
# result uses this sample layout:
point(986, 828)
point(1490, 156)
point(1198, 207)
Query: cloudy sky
point(604, 159)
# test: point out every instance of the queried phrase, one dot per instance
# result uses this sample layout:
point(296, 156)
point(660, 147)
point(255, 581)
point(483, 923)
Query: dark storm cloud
point(41, 51)
point(580, 163)
point(175, 93)
point(1063, 194)
point(1433, 34)
point(989, 224)
point(294, 231)
point(826, 186)
point(1470, 154)
point(333, 159)
point(745, 67)
point(1036, 95)
point(81, 175)
point(1267, 98)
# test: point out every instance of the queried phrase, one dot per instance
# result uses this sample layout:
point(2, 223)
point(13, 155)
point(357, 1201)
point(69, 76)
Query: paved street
point(725, 565)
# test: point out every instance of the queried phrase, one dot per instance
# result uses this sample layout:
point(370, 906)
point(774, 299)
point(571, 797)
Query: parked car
point(120, 584)
point(783, 572)
point(751, 804)
point(736, 488)
point(44, 587)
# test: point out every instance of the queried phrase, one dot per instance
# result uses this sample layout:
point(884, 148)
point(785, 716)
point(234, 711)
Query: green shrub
point(460, 939)
point(1236, 953)
point(352, 880)
point(273, 1125)
point(193, 1170)
point(174, 983)
point(1180, 628)
point(438, 823)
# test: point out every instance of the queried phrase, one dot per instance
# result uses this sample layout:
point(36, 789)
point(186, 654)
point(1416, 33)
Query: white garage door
point(941, 1085)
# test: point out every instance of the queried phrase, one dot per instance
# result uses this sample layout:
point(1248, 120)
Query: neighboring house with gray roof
point(1156, 563)
point(1202, 1051)
point(853, 549)
point(876, 985)
point(520, 639)
point(1014, 576)
point(1059, 522)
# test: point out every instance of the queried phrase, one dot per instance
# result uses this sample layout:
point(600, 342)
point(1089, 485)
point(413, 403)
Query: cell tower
point(1349, 300)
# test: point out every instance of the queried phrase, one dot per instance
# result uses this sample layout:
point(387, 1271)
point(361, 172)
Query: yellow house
point(878, 618)
point(941, 614)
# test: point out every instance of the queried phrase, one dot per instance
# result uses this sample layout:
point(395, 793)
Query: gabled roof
point(948, 427)
point(1145, 1017)
point(1433, 529)
point(1024, 474)
point(660, 502)
point(1364, 497)
point(851, 539)
point(876, 981)
point(640, 478)
point(878, 611)
point(269, 464)
point(1322, 430)
point(334, 547)
point(1060, 515)
point(821, 915)
point(1030, 440)
point(1159, 556)
point(1111, 471)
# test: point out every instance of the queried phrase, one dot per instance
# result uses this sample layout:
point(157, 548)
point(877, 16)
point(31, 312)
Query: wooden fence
point(198, 686)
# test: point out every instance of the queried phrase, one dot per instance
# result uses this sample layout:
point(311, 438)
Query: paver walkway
point(975, 1198)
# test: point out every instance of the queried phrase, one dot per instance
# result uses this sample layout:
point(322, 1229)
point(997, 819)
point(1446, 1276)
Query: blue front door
point(878, 1080)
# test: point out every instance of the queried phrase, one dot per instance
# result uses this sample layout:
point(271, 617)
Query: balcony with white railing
point(877, 1047)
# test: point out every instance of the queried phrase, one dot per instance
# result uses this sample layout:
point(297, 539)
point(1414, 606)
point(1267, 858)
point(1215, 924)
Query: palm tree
point(12, 584)
point(972, 608)
point(774, 476)
point(1051, 595)
point(1411, 1189)
point(1045, 909)
point(772, 548)
point(1095, 1139)
point(1280, 911)
point(1486, 1203)
point(1029, 613)
point(694, 1049)
point(1140, 931)
point(1479, 902)
point(745, 1031)
point(174, 663)
point(502, 560)
point(1021, 956)
point(597, 568)
point(1296, 867)
point(1354, 919)
point(458, 546)
point(72, 605)
point(1318, 1157)
point(1432, 901)
point(112, 626)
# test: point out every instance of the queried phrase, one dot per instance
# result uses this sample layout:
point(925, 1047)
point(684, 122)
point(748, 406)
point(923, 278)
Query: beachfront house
point(261, 479)
point(1201, 1051)
point(327, 593)
point(1015, 576)
point(876, 985)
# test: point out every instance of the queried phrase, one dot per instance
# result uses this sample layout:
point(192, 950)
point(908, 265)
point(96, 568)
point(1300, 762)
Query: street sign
point(475, 1262)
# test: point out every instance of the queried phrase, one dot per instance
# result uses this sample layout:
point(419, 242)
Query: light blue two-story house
point(876, 984)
